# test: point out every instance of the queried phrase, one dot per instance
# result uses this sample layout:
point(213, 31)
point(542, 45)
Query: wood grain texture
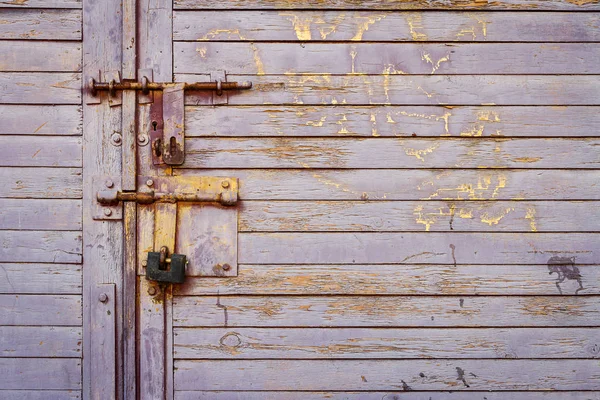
point(40, 341)
point(408, 279)
point(41, 394)
point(384, 311)
point(40, 214)
point(41, 278)
point(40, 24)
point(27, 55)
point(421, 247)
point(103, 342)
point(387, 58)
point(404, 26)
point(386, 153)
point(40, 88)
point(412, 185)
point(409, 90)
point(38, 310)
point(41, 246)
point(369, 343)
point(393, 4)
point(41, 151)
point(40, 120)
point(40, 373)
point(448, 216)
point(388, 375)
point(23, 183)
point(389, 121)
point(391, 395)
point(41, 3)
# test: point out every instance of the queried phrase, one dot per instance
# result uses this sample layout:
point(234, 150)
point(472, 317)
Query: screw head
point(116, 138)
point(143, 139)
point(226, 267)
point(144, 263)
point(107, 212)
point(225, 184)
point(109, 183)
point(151, 290)
point(103, 298)
point(149, 182)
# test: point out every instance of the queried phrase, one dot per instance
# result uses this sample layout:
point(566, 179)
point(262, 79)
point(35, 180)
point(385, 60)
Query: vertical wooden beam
point(129, 302)
point(103, 334)
point(103, 240)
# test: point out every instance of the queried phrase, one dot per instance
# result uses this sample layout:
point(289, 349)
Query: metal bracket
point(145, 77)
point(219, 96)
point(108, 210)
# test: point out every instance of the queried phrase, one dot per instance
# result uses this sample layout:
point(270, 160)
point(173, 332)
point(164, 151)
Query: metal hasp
point(167, 129)
point(163, 267)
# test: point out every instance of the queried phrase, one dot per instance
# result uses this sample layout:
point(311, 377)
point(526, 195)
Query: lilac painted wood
point(40, 214)
point(40, 120)
point(40, 373)
point(41, 246)
point(103, 342)
point(40, 278)
point(40, 88)
point(41, 151)
point(22, 55)
point(40, 24)
point(37, 310)
point(40, 341)
point(23, 183)
point(40, 394)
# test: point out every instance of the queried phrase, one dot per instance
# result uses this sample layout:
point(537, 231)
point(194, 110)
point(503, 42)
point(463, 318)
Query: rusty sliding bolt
point(111, 197)
point(145, 86)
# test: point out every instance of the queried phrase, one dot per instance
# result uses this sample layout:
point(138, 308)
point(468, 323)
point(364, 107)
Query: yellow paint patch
point(530, 215)
point(435, 65)
point(301, 25)
point(488, 116)
point(527, 159)
point(494, 219)
point(364, 22)
point(201, 51)
point(415, 22)
point(260, 68)
point(420, 153)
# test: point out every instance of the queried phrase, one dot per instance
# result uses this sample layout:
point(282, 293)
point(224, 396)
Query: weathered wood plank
point(434, 121)
point(391, 395)
point(463, 216)
point(40, 373)
point(22, 183)
point(41, 246)
point(42, 341)
point(41, 3)
point(383, 153)
point(41, 151)
point(420, 247)
point(103, 342)
point(412, 185)
point(40, 394)
point(34, 310)
point(40, 120)
point(27, 55)
point(384, 311)
point(40, 214)
point(409, 90)
point(388, 375)
point(566, 279)
point(40, 87)
point(360, 343)
point(387, 58)
point(392, 4)
point(40, 24)
point(385, 26)
point(41, 278)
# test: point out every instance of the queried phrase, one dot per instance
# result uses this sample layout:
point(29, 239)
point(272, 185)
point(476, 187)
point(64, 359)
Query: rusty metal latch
point(108, 197)
point(167, 133)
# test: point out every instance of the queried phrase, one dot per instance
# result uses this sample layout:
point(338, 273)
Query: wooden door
point(417, 201)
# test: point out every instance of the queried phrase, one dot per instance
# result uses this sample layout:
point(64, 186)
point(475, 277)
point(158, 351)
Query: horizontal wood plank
point(387, 58)
point(39, 24)
point(420, 247)
point(38, 310)
point(408, 90)
point(40, 394)
point(357, 121)
point(40, 341)
point(392, 4)
point(390, 395)
point(565, 279)
point(384, 311)
point(41, 278)
point(40, 373)
point(23, 183)
point(388, 375)
point(448, 216)
point(40, 88)
point(360, 343)
point(40, 120)
point(384, 184)
point(27, 55)
point(41, 246)
point(41, 151)
point(40, 214)
point(373, 153)
point(385, 26)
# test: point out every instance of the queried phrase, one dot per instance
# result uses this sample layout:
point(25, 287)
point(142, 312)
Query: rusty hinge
point(167, 129)
point(108, 196)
